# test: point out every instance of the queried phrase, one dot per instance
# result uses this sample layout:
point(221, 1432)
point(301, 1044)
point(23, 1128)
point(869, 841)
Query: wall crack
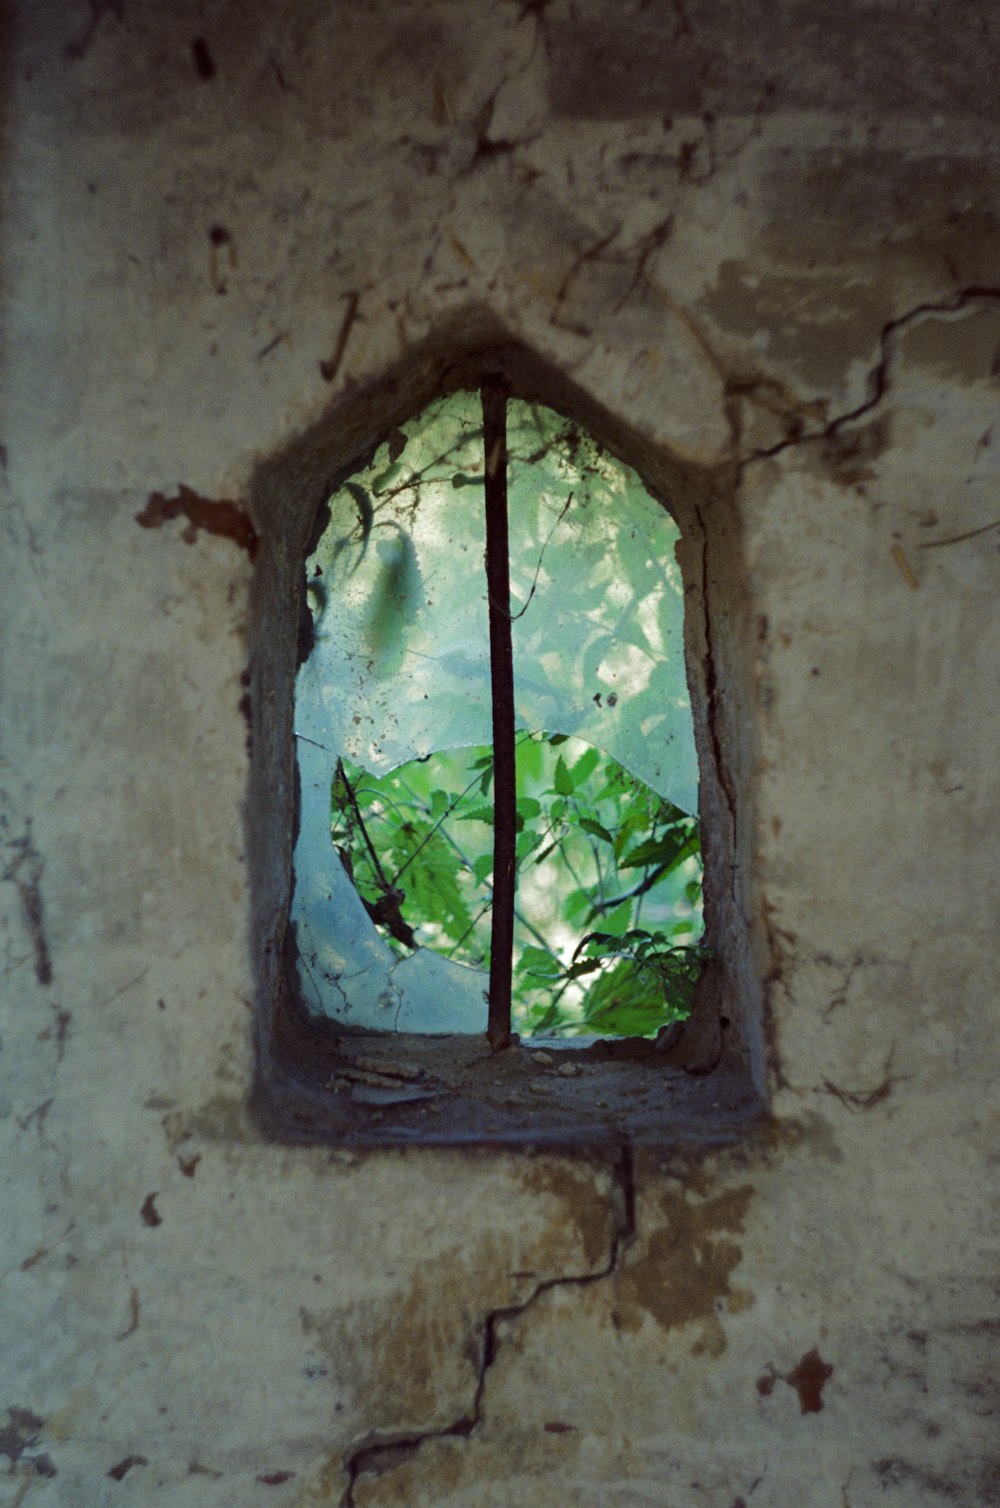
point(379, 1454)
point(879, 378)
point(24, 871)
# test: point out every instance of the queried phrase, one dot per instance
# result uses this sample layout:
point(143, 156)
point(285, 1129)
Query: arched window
point(369, 640)
point(401, 707)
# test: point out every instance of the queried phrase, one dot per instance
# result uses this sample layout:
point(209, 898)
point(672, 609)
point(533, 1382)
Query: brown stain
point(326, 1487)
point(585, 1205)
point(414, 1360)
point(219, 1119)
point(133, 1324)
point(809, 1132)
point(450, 1470)
point(215, 515)
point(448, 1467)
point(851, 456)
point(808, 1379)
point(150, 1214)
point(686, 1267)
point(120, 1472)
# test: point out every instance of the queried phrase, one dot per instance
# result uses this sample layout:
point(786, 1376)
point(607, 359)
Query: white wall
point(765, 240)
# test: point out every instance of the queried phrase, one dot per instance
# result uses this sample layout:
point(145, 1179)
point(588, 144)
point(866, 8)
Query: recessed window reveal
point(394, 729)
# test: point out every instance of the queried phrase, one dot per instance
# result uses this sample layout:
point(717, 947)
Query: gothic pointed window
point(411, 808)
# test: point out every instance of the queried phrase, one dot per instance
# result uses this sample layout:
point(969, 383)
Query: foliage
point(609, 879)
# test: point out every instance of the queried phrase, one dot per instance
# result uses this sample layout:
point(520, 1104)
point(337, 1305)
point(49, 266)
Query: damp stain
point(585, 1205)
point(682, 1274)
point(427, 1348)
point(220, 516)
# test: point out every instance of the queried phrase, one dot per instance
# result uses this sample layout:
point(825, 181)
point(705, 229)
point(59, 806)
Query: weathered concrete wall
point(765, 239)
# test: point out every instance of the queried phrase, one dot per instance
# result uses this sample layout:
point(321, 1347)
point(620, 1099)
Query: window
point(578, 676)
point(344, 1052)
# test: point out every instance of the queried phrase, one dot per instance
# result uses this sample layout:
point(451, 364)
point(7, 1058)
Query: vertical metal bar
point(494, 395)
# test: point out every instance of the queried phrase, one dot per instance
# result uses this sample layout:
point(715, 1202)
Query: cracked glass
point(400, 665)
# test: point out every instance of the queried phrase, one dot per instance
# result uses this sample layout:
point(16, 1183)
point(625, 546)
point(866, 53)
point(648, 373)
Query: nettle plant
point(608, 872)
point(455, 861)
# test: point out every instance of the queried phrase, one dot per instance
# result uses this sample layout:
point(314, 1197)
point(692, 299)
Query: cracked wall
point(765, 244)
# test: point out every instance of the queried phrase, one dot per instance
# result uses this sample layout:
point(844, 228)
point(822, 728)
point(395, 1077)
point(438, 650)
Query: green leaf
point(655, 851)
point(585, 766)
point(563, 780)
point(477, 814)
point(617, 921)
point(540, 963)
point(590, 826)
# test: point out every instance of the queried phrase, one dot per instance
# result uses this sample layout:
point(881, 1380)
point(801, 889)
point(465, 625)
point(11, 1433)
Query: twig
point(562, 514)
point(341, 775)
point(443, 818)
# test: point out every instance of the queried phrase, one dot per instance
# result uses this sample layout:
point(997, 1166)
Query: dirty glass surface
point(400, 668)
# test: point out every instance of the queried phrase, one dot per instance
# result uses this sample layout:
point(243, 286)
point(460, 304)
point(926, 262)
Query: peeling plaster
point(767, 251)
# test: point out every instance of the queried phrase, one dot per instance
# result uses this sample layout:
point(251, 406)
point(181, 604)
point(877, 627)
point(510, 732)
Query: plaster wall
point(765, 241)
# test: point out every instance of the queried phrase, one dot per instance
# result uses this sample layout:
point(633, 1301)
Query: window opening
point(395, 904)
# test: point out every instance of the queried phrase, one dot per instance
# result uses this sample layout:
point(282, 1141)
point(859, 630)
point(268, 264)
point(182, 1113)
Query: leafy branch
point(583, 824)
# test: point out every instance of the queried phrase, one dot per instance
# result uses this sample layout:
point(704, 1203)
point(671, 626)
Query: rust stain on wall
point(808, 1378)
point(685, 1268)
point(214, 515)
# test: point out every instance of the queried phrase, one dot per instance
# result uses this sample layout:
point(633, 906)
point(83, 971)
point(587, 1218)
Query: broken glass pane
point(400, 668)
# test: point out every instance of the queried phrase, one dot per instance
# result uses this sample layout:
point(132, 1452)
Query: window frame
point(320, 1080)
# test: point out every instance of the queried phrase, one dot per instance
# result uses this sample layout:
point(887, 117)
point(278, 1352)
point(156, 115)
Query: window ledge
point(392, 1090)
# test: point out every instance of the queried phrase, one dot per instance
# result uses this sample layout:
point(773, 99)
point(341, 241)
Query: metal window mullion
point(494, 399)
